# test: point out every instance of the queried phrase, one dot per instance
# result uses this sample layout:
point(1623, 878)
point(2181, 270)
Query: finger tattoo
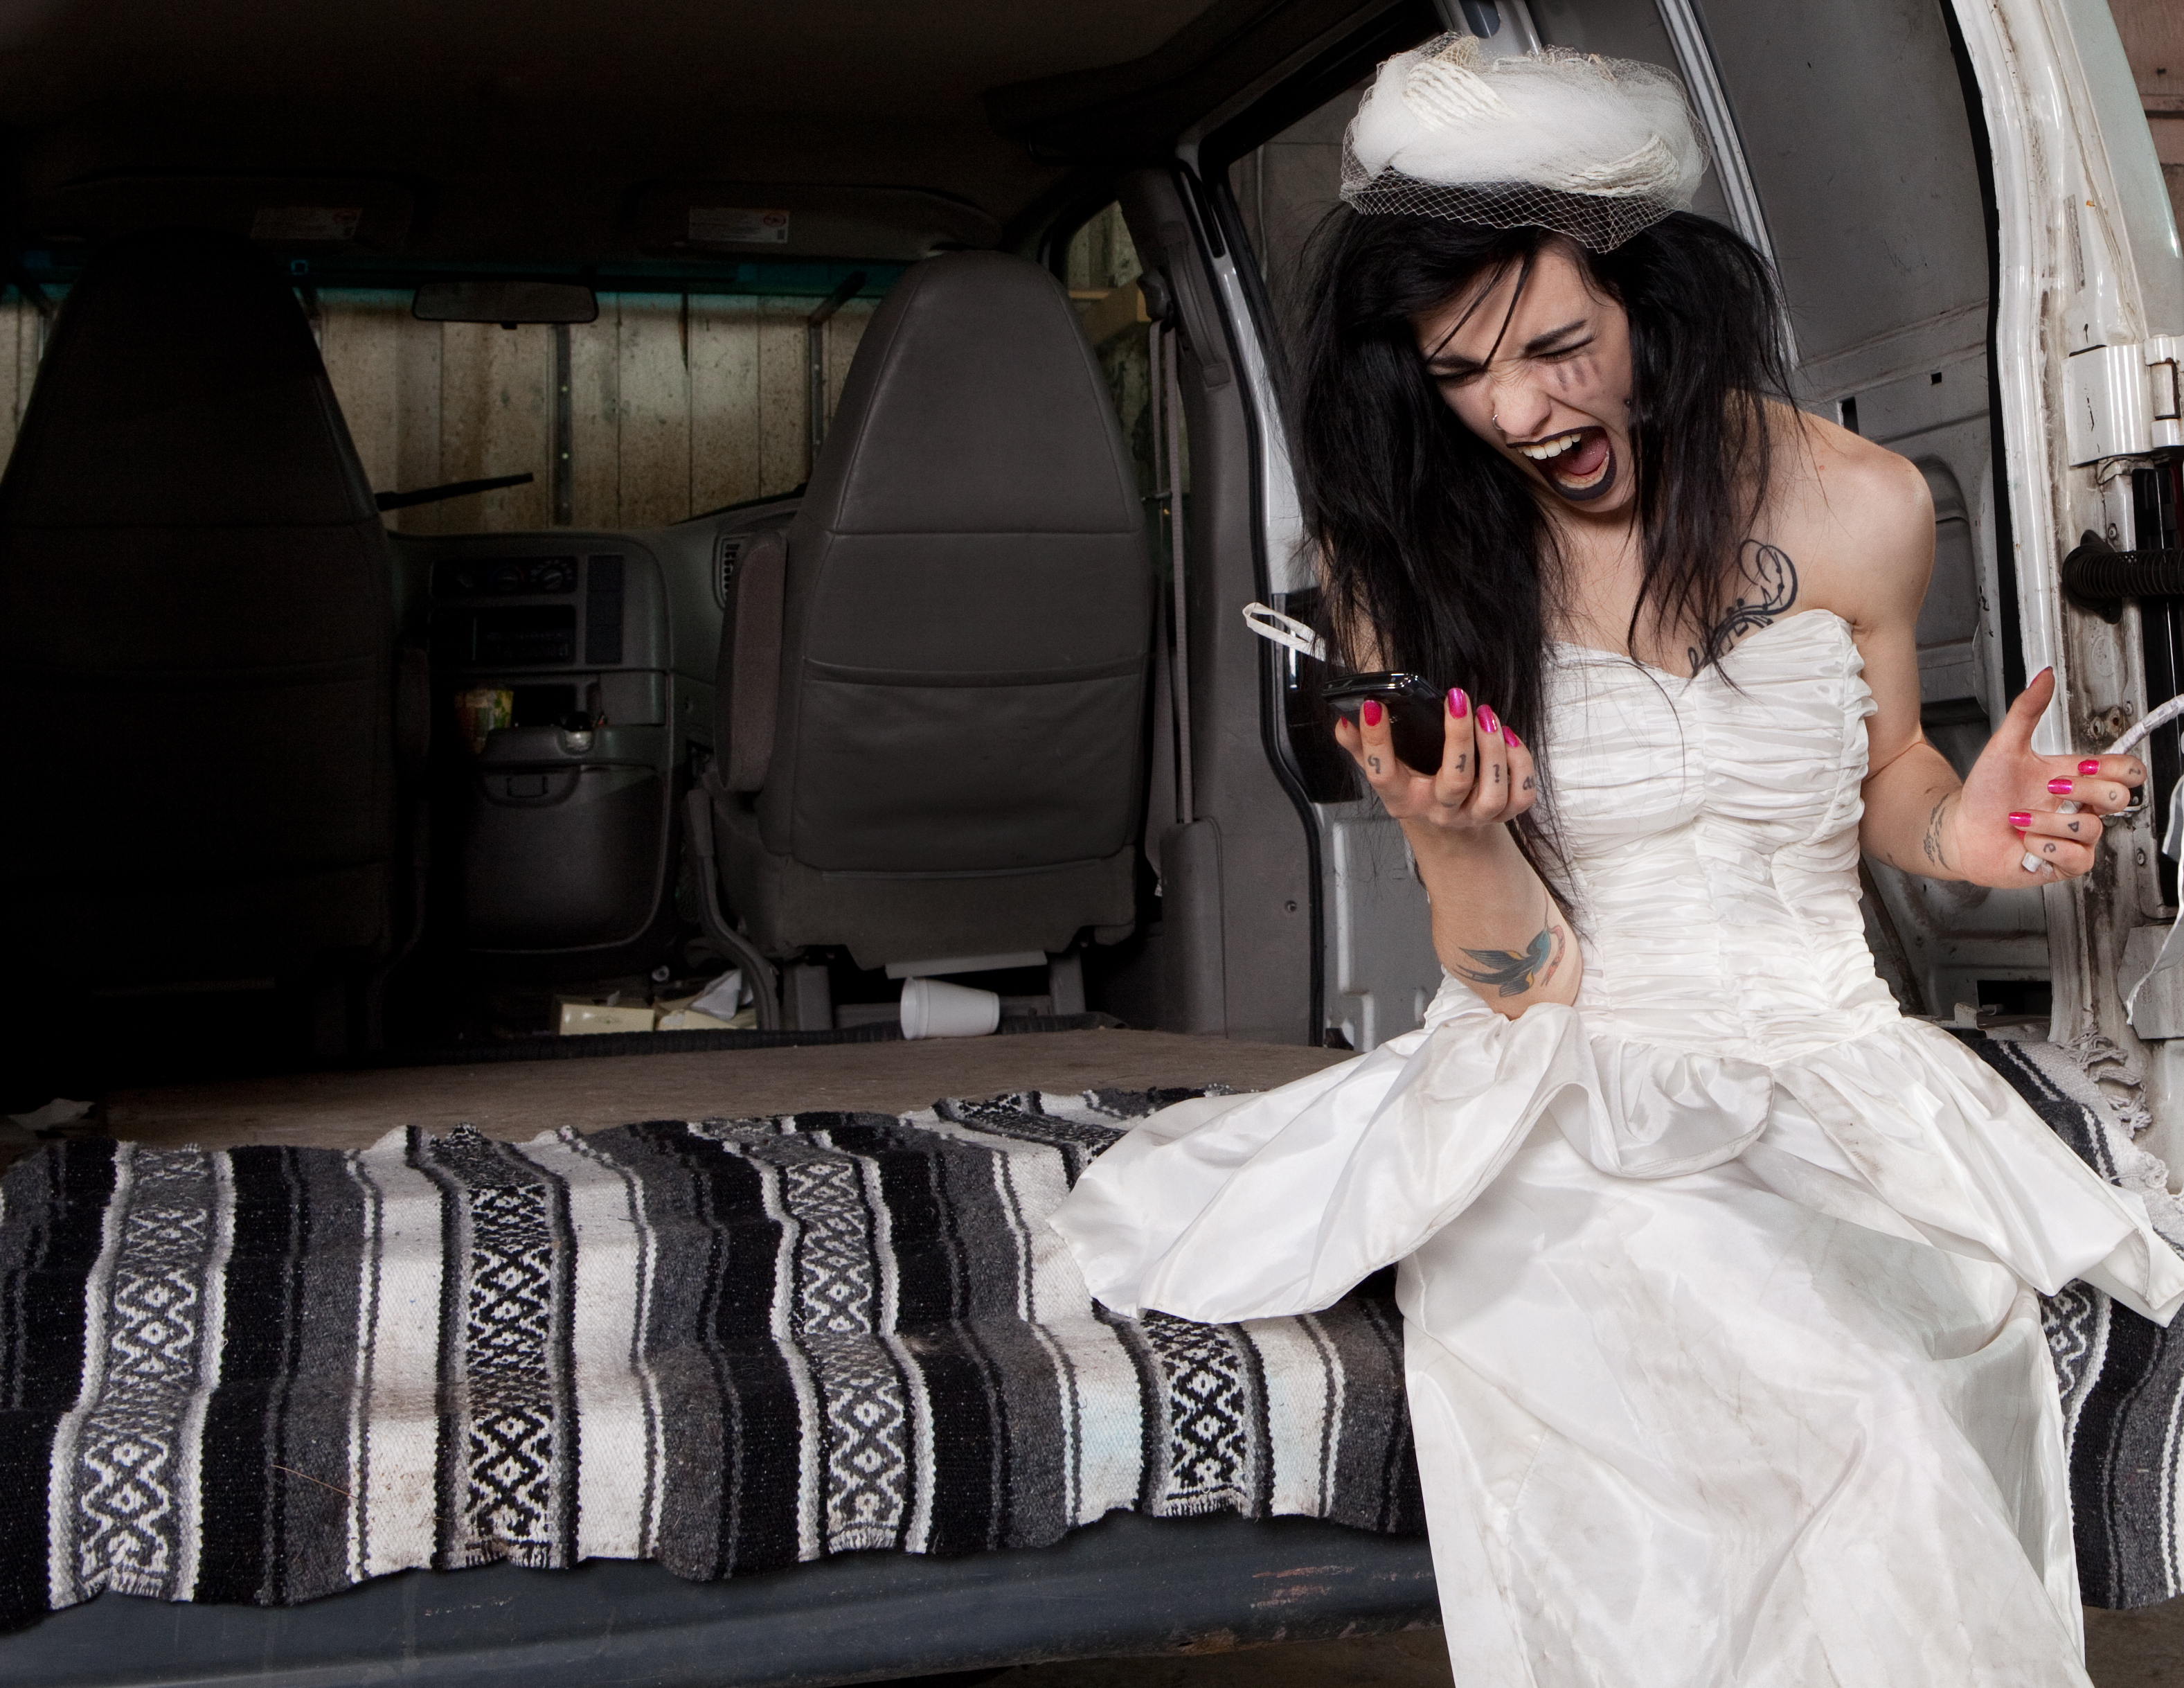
point(1373, 763)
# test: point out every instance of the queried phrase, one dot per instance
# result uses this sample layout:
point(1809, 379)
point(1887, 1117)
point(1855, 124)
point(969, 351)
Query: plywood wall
point(22, 343)
point(678, 404)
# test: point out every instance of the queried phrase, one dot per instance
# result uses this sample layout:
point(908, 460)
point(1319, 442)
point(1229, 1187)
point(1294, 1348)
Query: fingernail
point(1488, 720)
point(2092, 764)
point(1510, 733)
point(1371, 713)
point(2021, 820)
point(2061, 788)
point(1458, 705)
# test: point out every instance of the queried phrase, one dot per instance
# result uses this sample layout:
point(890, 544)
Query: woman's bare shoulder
point(1858, 518)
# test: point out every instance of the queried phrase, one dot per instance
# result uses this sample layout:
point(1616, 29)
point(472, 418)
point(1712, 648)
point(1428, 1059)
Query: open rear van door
point(2088, 309)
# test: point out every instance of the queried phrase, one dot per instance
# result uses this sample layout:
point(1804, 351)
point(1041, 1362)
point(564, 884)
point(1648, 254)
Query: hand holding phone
point(1476, 772)
point(1413, 707)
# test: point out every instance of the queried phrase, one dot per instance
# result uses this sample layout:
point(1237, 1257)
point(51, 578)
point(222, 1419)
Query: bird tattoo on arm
point(1512, 972)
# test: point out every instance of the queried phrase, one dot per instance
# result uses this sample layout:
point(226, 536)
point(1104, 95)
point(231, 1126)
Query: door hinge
point(2122, 401)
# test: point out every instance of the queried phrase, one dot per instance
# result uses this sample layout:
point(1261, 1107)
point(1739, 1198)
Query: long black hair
point(1434, 549)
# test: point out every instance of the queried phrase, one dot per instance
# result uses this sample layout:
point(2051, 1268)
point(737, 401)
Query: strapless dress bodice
point(1710, 825)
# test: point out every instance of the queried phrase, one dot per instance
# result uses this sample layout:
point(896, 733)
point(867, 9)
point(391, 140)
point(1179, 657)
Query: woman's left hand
point(2010, 826)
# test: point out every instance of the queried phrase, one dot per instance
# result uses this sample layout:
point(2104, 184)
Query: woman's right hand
point(1486, 775)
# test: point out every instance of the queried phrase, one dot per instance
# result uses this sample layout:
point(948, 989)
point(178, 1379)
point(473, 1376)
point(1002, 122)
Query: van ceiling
point(528, 131)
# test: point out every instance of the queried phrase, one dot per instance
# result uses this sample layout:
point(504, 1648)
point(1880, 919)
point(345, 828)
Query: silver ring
point(2031, 864)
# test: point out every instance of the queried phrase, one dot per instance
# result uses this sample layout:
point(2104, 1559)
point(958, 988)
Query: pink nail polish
point(2092, 764)
point(2061, 788)
point(1510, 734)
point(1371, 713)
point(2021, 820)
point(1458, 705)
point(1488, 719)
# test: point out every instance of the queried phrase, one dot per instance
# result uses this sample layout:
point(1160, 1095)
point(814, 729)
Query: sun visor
point(778, 219)
point(304, 214)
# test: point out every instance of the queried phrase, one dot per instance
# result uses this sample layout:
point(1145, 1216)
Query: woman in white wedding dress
point(1718, 1275)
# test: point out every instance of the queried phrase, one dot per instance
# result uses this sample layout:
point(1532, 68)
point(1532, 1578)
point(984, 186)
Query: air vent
point(731, 548)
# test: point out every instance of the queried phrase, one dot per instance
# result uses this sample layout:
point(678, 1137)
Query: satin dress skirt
point(1694, 1431)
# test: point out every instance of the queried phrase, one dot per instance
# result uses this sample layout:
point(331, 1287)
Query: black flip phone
point(1415, 710)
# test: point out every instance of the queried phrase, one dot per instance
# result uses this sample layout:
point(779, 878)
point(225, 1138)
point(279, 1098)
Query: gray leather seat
point(197, 635)
point(933, 683)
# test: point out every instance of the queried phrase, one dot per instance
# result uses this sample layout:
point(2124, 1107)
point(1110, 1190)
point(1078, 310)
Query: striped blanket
point(266, 1374)
point(2121, 1376)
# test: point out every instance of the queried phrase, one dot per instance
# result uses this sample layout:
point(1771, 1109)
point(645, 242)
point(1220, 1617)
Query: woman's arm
point(1918, 816)
point(1493, 924)
point(2005, 825)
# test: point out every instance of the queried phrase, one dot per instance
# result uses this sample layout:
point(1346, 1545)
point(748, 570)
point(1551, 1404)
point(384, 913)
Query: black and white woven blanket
point(2121, 1375)
point(265, 1374)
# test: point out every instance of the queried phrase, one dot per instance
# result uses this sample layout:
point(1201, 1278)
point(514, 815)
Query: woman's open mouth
point(1579, 465)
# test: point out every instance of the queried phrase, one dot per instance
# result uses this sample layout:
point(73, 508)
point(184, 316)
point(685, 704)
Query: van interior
point(513, 514)
point(526, 521)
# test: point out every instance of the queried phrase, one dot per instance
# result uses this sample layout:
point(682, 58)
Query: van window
point(1101, 269)
point(22, 343)
point(1285, 188)
point(678, 403)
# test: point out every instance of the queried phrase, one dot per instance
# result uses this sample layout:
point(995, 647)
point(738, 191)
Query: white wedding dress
point(1724, 1356)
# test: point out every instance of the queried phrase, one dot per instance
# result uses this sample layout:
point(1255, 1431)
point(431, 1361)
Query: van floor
point(517, 1099)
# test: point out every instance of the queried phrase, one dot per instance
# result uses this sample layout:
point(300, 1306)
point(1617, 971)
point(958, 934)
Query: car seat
point(198, 632)
point(933, 683)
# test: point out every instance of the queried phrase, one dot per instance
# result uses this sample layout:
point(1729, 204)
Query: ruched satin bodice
point(1711, 826)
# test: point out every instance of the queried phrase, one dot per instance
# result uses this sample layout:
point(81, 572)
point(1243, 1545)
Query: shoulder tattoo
point(1769, 581)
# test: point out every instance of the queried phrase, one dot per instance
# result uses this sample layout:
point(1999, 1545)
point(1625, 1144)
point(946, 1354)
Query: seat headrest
point(181, 387)
point(975, 405)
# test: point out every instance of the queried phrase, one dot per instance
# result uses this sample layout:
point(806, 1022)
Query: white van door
point(2088, 313)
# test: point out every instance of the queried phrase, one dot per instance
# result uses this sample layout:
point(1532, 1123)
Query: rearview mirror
point(507, 302)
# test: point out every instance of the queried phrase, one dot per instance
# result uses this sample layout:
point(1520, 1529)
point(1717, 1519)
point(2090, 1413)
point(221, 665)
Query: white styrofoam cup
point(932, 1008)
